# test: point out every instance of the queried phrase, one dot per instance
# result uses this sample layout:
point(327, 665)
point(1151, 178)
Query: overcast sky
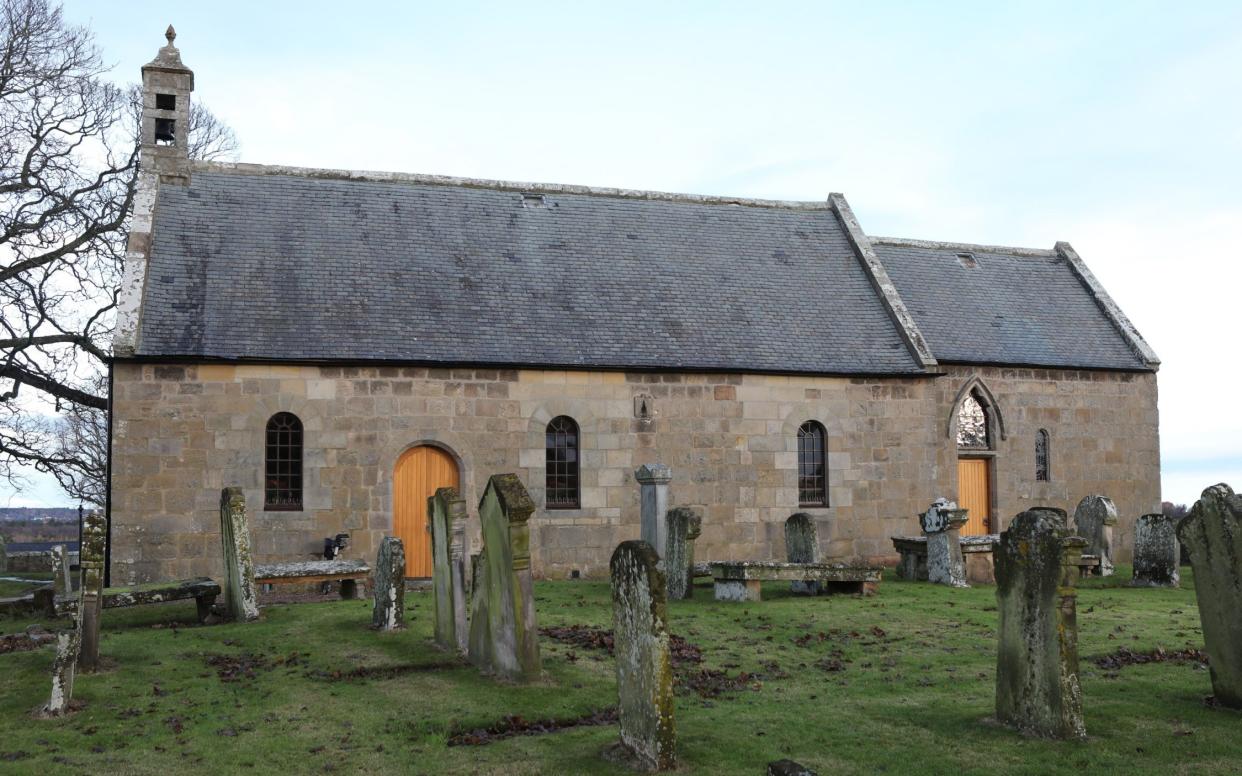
point(1117, 127)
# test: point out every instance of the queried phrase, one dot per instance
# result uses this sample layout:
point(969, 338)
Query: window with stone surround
point(282, 474)
point(561, 478)
point(1042, 473)
point(812, 465)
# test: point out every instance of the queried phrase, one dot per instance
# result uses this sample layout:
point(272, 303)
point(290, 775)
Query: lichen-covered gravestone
point(504, 635)
point(802, 546)
point(1094, 520)
point(389, 611)
point(1156, 552)
point(64, 665)
point(240, 595)
point(91, 564)
point(644, 666)
point(678, 556)
point(62, 576)
point(447, 511)
point(942, 524)
point(693, 532)
point(1037, 687)
point(653, 479)
point(1212, 532)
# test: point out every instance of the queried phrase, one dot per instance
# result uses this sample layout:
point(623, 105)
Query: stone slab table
point(741, 580)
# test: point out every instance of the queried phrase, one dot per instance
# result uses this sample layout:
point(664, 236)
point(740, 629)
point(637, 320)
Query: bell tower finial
point(166, 87)
point(170, 34)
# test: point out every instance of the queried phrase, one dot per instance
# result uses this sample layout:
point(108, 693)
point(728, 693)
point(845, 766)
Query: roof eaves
point(1106, 304)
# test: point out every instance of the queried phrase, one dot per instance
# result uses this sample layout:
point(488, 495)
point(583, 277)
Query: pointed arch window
point(561, 478)
point(973, 424)
point(282, 474)
point(812, 465)
point(1042, 472)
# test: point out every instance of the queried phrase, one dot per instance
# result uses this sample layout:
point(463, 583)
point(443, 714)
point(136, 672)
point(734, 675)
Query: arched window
point(973, 425)
point(282, 475)
point(812, 466)
point(1041, 456)
point(562, 464)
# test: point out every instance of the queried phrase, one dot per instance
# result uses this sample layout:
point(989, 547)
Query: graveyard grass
point(901, 683)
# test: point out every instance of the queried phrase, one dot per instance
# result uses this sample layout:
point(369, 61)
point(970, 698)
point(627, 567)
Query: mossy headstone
point(447, 512)
point(1037, 687)
point(91, 565)
point(1212, 533)
point(240, 594)
point(1094, 520)
point(802, 546)
point(504, 635)
point(388, 614)
point(678, 555)
point(644, 666)
point(693, 532)
point(1156, 552)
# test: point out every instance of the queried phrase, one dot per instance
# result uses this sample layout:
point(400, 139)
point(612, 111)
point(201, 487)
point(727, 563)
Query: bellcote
point(166, 87)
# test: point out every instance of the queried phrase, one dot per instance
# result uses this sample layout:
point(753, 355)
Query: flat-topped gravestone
point(644, 666)
point(448, 531)
point(942, 523)
point(802, 546)
point(91, 565)
point(1212, 533)
point(742, 580)
point(504, 636)
point(1037, 687)
point(678, 557)
point(653, 479)
point(1094, 520)
point(388, 614)
point(1156, 552)
point(240, 595)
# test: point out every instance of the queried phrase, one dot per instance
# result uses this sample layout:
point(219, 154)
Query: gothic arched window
point(1041, 456)
point(561, 478)
point(812, 466)
point(973, 432)
point(282, 471)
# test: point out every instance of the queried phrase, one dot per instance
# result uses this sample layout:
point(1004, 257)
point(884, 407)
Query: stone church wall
point(182, 432)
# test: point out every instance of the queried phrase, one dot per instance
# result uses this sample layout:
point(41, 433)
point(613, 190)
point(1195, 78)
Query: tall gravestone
point(644, 666)
point(1094, 520)
point(91, 565)
point(802, 546)
point(653, 479)
point(678, 555)
point(62, 575)
point(240, 595)
point(942, 524)
point(693, 532)
point(447, 512)
point(1156, 552)
point(64, 665)
point(504, 635)
point(1037, 687)
point(388, 613)
point(1212, 532)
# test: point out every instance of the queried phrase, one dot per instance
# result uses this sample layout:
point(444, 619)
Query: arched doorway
point(418, 473)
point(975, 443)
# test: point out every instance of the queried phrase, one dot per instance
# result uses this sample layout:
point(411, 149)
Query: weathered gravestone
point(62, 575)
point(802, 546)
point(64, 665)
point(693, 532)
point(1037, 688)
point(448, 557)
point(653, 482)
point(1156, 552)
point(240, 595)
point(91, 566)
point(644, 666)
point(1094, 520)
point(389, 611)
point(1213, 534)
point(678, 555)
point(504, 636)
point(4, 556)
point(942, 524)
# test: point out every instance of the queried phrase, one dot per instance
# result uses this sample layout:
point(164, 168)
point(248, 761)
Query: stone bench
point(741, 580)
point(347, 572)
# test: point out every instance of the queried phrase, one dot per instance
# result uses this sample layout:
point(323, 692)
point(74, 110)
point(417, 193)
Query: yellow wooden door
point(974, 493)
point(419, 472)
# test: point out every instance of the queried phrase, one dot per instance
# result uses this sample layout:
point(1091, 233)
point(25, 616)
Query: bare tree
point(68, 167)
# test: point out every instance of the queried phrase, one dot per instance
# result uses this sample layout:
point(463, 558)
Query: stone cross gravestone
point(1037, 687)
point(448, 558)
point(653, 482)
point(91, 565)
point(1212, 532)
point(1156, 552)
point(240, 594)
point(644, 665)
point(1094, 520)
point(942, 524)
point(388, 613)
point(678, 555)
point(504, 635)
point(802, 546)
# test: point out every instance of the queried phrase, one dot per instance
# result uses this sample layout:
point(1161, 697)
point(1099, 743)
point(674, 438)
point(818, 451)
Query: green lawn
point(898, 683)
point(32, 579)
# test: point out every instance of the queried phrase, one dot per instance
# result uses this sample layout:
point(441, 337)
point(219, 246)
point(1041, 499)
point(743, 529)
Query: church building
point(340, 343)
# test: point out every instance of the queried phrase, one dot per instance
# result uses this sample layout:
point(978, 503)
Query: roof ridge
point(377, 176)
point(906, 242)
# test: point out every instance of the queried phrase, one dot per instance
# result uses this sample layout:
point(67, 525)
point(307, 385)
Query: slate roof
point(288, 267)
point(1018, 308)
